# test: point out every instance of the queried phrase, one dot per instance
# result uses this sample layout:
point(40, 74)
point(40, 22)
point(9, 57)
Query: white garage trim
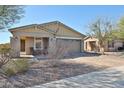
point(69, 38)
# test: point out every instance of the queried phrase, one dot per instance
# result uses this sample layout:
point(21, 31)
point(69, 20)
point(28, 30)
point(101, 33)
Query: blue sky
point(77, 17)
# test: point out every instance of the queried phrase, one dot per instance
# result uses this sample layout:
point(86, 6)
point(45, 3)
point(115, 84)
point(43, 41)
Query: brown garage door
point(71, 44)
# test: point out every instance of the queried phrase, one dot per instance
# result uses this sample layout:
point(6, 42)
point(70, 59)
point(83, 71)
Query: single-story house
point(38, 37)
point(92, 44)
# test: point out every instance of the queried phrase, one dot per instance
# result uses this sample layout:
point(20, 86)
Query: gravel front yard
point(109, 78)
point(42, 72)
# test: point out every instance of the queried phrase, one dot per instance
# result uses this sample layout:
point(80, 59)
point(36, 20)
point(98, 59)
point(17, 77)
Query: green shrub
point(14, 67)
point(9, 72)
point(4, 48)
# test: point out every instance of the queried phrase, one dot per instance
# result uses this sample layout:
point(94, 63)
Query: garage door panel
point(71, 44)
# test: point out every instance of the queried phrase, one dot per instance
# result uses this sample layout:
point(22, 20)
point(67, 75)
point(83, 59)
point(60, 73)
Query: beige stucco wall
point(15, 46)
point(31, 32)
point(52, 44)
point(88, 47)
point(63, 31)
point(29, 42)
point(28, 34)
point(90, 39)
point(97, 44)
point(117, 43)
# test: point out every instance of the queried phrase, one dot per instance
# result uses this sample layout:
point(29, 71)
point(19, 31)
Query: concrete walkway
point(109, 78)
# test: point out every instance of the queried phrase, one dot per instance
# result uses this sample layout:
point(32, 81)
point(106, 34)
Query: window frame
point(36, 40)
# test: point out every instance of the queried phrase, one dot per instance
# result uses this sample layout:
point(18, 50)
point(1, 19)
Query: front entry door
point(22, 45)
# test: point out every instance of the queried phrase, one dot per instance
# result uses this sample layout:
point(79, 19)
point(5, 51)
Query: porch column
point(34, 43)
point(18, 46)
point(15, 46)
point(85, 45)
point(82, 45)
point(52, 44)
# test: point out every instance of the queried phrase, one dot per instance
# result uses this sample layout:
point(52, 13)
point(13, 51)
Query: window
point(38, 43)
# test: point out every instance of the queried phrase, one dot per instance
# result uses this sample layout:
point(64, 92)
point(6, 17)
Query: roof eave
point(22, 27)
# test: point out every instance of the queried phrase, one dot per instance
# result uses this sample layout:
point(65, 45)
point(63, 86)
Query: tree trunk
point(102, 51)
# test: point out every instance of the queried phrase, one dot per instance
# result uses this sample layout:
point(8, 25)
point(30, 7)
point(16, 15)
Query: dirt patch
point(43, 72)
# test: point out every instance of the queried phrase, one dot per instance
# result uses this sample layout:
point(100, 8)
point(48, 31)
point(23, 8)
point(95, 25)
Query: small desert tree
point(10, 14)
point(119, 31)
point(4, 56)
point(101, 29)
point(8, 66)
point(59, 51)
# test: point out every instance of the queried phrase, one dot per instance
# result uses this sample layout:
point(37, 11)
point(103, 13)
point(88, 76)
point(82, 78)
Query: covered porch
point(91, 45)
point(34, 45)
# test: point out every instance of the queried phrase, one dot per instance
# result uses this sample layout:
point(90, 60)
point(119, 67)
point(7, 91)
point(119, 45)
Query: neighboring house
point(92, 44)
point(38, 37)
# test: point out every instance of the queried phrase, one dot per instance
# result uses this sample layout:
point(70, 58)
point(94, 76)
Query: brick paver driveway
point(108, 78)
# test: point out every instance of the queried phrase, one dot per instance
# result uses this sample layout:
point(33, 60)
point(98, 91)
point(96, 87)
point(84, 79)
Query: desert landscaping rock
point(108, 78)
point(43, 72)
